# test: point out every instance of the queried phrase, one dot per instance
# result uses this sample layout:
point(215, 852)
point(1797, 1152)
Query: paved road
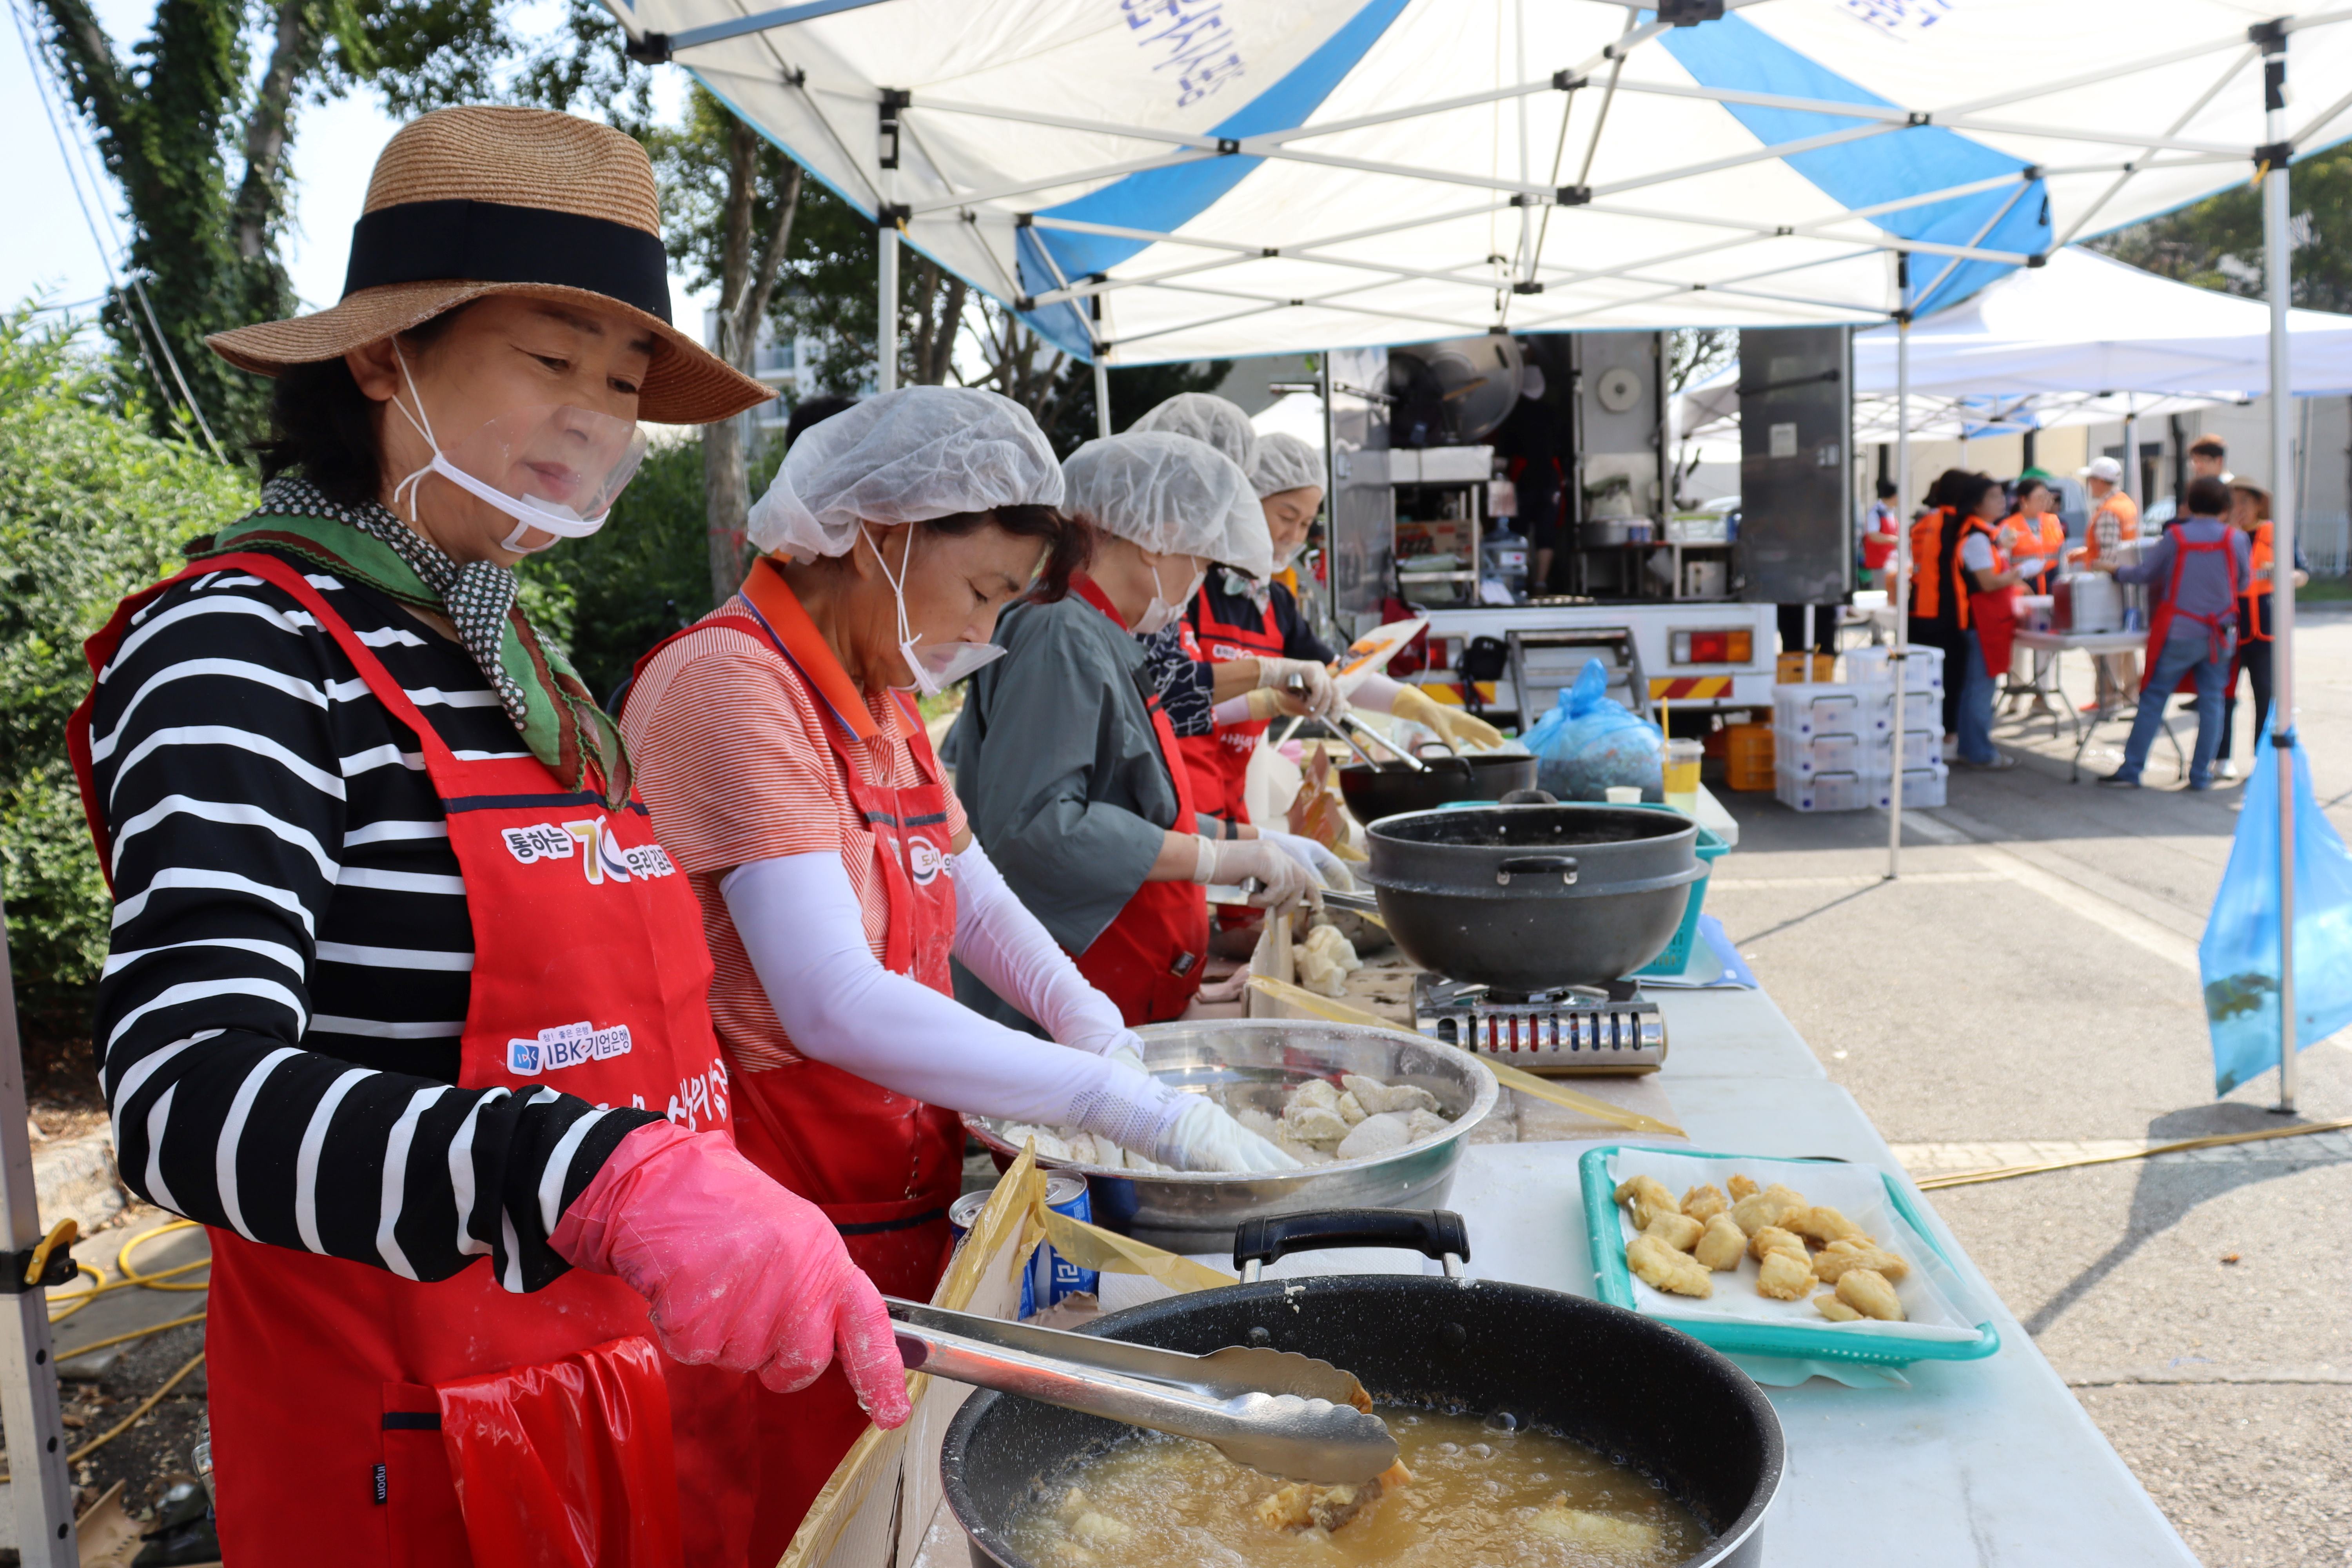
point(2029, 989)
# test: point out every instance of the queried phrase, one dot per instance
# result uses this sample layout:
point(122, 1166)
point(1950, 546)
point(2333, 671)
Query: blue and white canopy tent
point(1184, 179)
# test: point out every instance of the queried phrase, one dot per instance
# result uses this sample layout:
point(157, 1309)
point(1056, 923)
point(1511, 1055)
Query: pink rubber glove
point(741, 1273)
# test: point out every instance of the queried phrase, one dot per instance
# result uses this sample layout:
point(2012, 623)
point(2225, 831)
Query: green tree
point(197, 131)
point(1135, 391)
point(2218, 243)
point(90, 508)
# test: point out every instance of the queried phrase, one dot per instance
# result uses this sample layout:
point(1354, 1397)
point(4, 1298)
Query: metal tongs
point(1275, 1411)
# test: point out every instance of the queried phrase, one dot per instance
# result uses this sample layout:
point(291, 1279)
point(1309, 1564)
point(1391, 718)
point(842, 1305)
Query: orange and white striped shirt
point(733, 762)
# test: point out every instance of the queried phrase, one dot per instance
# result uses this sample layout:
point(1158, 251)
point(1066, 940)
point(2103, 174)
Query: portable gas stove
point(1573, 1029)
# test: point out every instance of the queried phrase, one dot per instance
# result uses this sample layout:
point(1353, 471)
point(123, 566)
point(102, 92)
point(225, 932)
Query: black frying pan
point(1639, 1391)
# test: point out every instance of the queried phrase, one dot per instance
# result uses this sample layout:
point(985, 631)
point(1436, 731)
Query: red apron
point(2217, 627)
point(1219, 761)
point(368, 1416)
point(1149, 959)
point(882, 1167)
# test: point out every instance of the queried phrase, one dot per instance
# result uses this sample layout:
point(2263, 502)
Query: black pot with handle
point(1527, 898)
point(1372, 793)
point(1647, 1396)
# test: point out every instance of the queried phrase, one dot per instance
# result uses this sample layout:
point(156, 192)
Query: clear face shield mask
point(1160, 614)
point(556, 469)
point(940, 665)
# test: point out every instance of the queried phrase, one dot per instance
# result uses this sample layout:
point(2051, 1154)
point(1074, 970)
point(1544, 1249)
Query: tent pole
point(885, 310)
point(2278, 264)
point(1102, 397)
point(28, 1372)
point(2132, 486)
point(1899, 658)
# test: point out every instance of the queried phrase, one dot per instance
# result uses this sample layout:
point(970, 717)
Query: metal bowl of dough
point(1254, 1062)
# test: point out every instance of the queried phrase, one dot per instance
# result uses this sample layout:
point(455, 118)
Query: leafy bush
point(90, 508)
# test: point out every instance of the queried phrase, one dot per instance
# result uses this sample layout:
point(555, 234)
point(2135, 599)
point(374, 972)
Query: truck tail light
point(1728, 646)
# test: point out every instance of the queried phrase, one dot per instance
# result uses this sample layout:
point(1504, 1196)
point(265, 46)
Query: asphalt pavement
point(2028, 988)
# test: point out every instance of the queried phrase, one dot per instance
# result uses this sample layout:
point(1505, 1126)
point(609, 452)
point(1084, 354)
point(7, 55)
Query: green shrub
point(91, 508)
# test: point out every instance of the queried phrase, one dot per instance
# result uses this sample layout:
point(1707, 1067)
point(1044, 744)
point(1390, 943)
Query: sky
point(49, 252)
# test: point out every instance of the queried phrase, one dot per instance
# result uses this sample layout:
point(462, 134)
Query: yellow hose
point(131, 1276)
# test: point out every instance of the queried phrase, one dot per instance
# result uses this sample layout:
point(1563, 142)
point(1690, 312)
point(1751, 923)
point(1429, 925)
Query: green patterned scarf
point(546, 699)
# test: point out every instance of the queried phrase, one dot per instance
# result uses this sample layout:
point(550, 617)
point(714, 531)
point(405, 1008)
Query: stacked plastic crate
point(1925, 772)
point(1833, 742)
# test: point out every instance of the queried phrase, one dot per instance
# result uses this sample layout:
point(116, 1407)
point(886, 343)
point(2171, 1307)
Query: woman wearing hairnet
point(1067, 767)
point(1237, 616)
point(782, 754)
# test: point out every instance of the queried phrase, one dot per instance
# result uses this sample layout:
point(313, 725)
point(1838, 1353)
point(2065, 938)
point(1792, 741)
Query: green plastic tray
point(1615, 1283)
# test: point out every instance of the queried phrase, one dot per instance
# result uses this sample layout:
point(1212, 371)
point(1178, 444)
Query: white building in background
point(787, 364)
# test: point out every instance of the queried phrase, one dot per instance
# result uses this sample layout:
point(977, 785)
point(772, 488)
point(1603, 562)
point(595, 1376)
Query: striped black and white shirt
point(277, 1029)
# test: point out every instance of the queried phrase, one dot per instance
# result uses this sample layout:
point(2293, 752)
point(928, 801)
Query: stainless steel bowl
point(1252, 1062)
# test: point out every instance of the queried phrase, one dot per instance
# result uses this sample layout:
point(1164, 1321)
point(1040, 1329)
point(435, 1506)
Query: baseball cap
point(2106, 469)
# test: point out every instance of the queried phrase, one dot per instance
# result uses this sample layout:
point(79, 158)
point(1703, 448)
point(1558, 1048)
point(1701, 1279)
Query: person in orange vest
point(1982, 586)
point(1934, 621)
point(2114, 517)
point(2249, 509)
point(2034, 530)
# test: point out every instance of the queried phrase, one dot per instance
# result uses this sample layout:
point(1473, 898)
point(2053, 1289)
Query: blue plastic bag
point(1587, 743)
point(2238, 957)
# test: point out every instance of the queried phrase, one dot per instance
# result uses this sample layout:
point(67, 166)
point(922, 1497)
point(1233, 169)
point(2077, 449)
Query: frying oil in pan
point(1479, 1498)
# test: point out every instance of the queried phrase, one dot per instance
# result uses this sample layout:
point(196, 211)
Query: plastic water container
point(1803, 709)
point(1923, 671)
point(1823, 792)
point(1825, 754)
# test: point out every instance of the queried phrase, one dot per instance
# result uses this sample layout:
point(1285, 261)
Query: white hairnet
point(908, 456)
point(1284, 462)
point(1204, 418)
point(1172, 496)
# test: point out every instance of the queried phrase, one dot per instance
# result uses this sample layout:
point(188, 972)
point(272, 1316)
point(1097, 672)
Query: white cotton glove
point(1204, 1138)
point(1230, 862)
point(1129, 1053)
point(1327, 867)
point(1316, 696)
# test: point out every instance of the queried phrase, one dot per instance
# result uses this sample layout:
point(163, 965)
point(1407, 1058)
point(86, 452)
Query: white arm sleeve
point(1231, 710)
point(1002, 944)
point(1376, 691)
point(800, 924)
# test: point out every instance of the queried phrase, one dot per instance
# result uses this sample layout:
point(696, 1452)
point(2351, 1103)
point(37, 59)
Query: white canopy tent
point(2084, 339)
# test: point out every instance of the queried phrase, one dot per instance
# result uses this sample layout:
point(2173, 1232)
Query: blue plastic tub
point(1711, 848)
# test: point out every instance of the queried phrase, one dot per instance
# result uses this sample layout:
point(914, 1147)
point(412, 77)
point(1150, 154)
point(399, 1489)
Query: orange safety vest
point(1927, 563)
point(2125, 513)
point(2254, 625)
point(2020, 535)
point(1962, 589)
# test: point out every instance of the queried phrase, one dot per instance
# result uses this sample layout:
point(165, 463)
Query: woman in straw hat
point(401, 980)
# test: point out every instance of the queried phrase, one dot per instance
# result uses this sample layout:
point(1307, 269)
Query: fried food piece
point(1835, 1310)
point(1619, 1538)
point(1741, 1187)
point(1661, 1268)
point(1319, 1094)
point(1316, 1124)
point(1784, 1277)
point(1703, 1202)
point(1867, 1292)
point(1678, 1231)
point(1722, 1245)
point(1823, 1224)
point(1648, 1198)
point(1302, 1503)
point(1758, 1210)
point(1841, 1256)
point(1772, 1239)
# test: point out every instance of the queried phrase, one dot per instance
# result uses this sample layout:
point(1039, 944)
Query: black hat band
point(490, 242)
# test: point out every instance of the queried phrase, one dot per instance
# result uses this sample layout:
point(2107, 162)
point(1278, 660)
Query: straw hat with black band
point(476, 201)
point(467, 202)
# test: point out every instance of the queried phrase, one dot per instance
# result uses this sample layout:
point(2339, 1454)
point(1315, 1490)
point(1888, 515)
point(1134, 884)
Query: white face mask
point(1160, 614)
point(941, 665)
point(568, 454)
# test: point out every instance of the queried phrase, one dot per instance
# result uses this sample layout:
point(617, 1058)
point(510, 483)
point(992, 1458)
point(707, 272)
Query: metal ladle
point(1274, 1411)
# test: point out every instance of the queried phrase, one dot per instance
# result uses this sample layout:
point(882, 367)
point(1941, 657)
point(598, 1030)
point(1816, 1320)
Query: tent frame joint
point(1568, 81)
point(892, 214)
point(648, 50)
point(1574, 196)
point(2274, 155)
point(2269, 37)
